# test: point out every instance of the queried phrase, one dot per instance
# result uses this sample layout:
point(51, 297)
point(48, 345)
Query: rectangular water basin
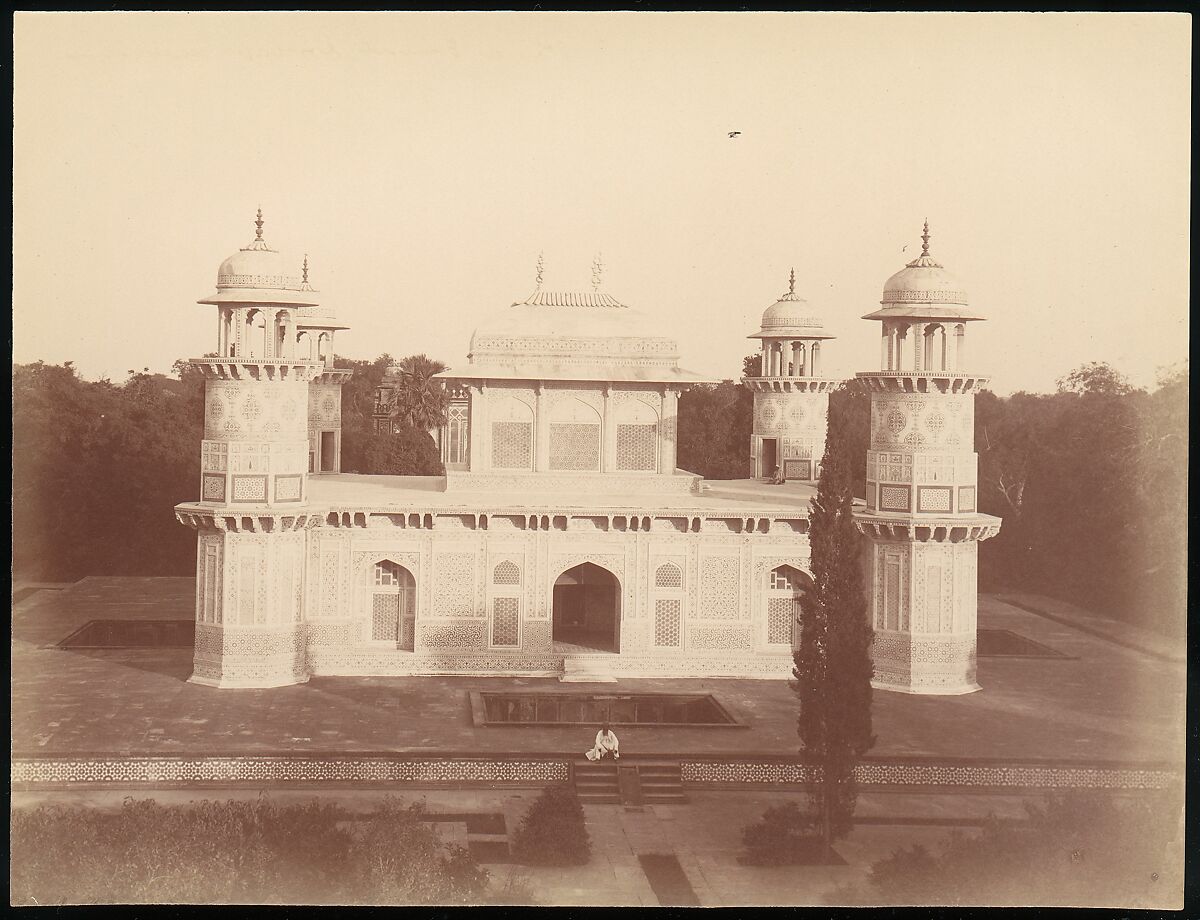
point(503, 707)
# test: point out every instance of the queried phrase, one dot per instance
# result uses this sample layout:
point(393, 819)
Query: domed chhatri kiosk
point(562, 541)
point(791, 399)
point(920, 515)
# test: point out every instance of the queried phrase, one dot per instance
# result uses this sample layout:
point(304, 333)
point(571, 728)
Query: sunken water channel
point(516, 708)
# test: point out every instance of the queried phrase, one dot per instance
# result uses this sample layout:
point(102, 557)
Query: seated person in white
point(777, 479)
point(606, 745)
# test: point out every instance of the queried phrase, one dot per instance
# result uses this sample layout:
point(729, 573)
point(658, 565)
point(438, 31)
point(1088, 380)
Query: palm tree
point(420, 398)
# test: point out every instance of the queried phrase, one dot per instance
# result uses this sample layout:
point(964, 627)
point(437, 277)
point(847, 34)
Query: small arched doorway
point(586, 614)
point(393, 605)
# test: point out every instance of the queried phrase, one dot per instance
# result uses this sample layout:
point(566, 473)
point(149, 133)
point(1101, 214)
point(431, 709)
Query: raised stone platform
point(1072, 720)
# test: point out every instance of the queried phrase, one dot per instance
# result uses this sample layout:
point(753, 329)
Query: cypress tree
point(833, 660)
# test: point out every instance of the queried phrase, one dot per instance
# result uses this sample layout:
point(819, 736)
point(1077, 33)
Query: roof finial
point(258, 223)
point(792, 282)
point(925, 239)
point(540, 265)
point(597, 268)
point(305, 269)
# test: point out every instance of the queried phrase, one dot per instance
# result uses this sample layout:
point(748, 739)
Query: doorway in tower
point(770, 457)
point(586, 613)
point(393, 605)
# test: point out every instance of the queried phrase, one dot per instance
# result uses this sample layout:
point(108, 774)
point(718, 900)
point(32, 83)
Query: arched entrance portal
point(587, 614)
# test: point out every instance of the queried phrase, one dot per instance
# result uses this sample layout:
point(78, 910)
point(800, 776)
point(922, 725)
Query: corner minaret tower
point(252, 515)
point(920, 516)
point(791, 399)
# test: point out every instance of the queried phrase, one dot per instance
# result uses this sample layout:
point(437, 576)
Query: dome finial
point(258, 223)
point(540, 266)
point(597, 268)
point(792, 282)
point(925, 239)
point(304, 270)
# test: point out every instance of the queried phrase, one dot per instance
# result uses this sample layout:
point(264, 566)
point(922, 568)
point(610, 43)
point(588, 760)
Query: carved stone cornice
point(791, 384)
point(338, 375)
point(557, 518)
point(257, 368)
point(914, 382)
point(260, 520)
point(946, 528)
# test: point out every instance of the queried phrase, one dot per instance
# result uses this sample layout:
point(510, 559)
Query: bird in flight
point(734, 133)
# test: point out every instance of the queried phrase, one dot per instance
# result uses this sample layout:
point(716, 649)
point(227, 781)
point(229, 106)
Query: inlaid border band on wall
point(1015, 776)
point(58, 772)
point(267, 769)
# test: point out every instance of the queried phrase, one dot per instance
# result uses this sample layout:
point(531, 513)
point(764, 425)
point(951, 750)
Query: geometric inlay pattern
point(214, 489)
point(385, 616)
point(797, 469)
point(506, 573)
point(666, 623)
point(668, 576)
point(302, 769)
point(574, 446)
point(933, 498)
point(637, 447)
point(781, 619)
point(249, 488)
point(719, 587)
point(883, 773)
point(893, 498)
point(512, 445)
point(505, 619)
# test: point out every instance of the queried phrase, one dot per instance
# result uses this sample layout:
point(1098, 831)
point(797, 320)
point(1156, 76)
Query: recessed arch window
point(785, 590)
point(506, 573)
point(668, 575)
point(393, 604)
point(637, 437)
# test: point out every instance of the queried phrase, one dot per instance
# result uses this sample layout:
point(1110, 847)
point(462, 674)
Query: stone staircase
point(660, 783)
point(591, 670)
point(631, 784)
point(597, 784)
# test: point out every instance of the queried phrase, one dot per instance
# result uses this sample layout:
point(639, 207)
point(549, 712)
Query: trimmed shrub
point(553, 831)
point(783, 836)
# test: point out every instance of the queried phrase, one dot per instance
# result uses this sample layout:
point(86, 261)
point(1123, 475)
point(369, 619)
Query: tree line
point(1091, 480)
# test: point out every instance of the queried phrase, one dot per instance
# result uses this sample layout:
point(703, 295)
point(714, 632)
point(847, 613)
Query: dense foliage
point(418, 399)
point(553, 832)
point(408, 450)
point(1092, 484)
point(784, 835)
point(97, 469)
point(1079, 850)
point(715, 423)
point(247, 852)
point(1091, 480)
point(832, 673)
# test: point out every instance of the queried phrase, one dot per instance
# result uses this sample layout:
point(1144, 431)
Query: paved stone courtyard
point(1105, 703)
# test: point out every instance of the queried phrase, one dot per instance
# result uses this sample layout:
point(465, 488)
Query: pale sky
point(423, 161)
